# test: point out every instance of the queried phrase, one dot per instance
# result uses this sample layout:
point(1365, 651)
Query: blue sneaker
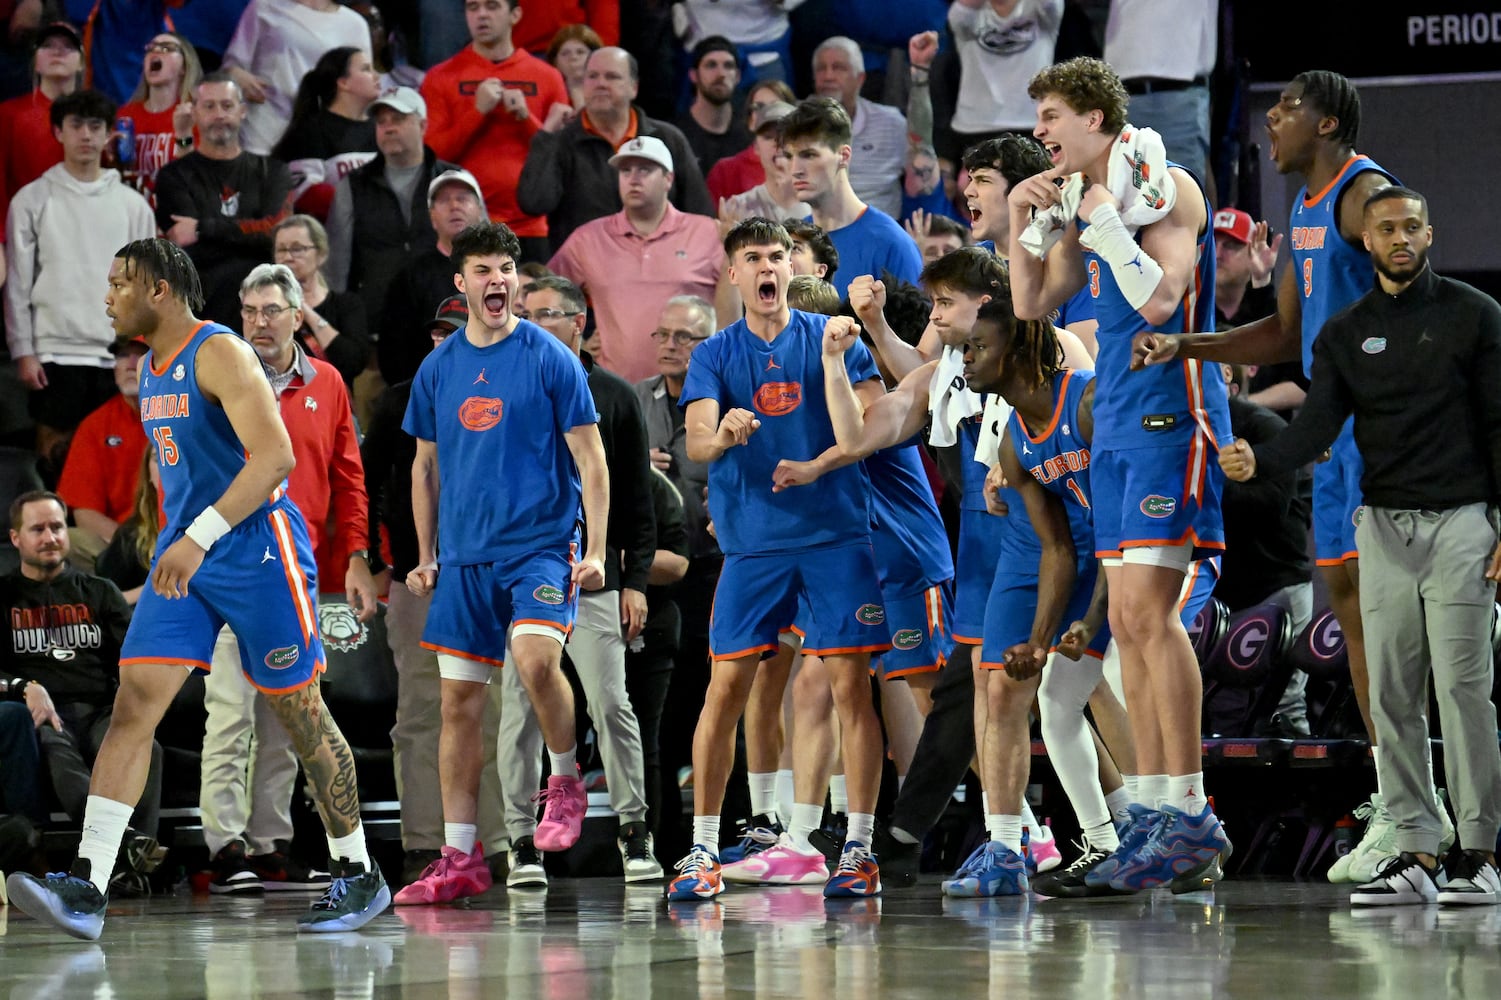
point(858, 874)
point(1133, 834)
point(353, 899)
point(66, 900)
point(758, 835)
point(1179, 844)
point(992, 870)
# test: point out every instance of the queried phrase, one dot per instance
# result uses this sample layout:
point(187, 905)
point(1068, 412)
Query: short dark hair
point(1335, 97)
point(483, 239)
point(817, 119)
point(1395, 193)
point(907, 308)
point(971, 270)
point(755, 231)
point(571, 294)
point(1032, 348)
point(819, 245)
point(157, 259)
point(18, 505)
point(942, 225)
point(1014, 157)
point(711, 44)
point(90, 105)
point(220, 76)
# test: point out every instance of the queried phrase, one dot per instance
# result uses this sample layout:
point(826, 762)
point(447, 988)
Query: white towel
point(1137, 176)
point(993, 427)
point(949, 399)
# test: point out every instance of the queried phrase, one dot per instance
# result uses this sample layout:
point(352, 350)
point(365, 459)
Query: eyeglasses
point(680, 338)
point(167, 47)
point(270, 313)
point(295, 250)
point(537, 314)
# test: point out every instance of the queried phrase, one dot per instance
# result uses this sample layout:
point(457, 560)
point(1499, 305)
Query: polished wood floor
point(599, 939)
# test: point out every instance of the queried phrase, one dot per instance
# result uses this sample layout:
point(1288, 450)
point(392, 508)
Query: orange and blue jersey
point(781, 382)
point(499, 415)
point(1058, 458)
point(987, 544)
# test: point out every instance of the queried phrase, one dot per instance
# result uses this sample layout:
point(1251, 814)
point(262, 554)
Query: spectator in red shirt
point(100, 475)
point(485, 104)
point(545, 17)
point(737, 174)
point(161, 109)
point(27, 145)
point(247, 821)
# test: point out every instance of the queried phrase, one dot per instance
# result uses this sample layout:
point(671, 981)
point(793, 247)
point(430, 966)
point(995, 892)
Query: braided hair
point(1032, 349)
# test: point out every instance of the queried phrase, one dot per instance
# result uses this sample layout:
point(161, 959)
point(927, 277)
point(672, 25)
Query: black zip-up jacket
point(1421, 372)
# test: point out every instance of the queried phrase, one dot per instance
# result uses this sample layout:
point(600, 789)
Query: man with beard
point(710, 124)
point(1416, 353)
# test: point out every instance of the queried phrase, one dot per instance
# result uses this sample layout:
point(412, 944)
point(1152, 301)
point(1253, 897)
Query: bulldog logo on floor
point(340, 627)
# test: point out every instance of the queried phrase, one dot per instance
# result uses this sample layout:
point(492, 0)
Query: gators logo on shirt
point(870, 614)
point(777, 398)
point(548, 595)
point(480, 413)
point(281, 659)
point(907, 638)
point(1158, 506)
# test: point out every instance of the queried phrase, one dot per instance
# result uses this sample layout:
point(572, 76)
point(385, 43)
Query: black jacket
point(65, 633)
point(631, 538)
point(413, 296)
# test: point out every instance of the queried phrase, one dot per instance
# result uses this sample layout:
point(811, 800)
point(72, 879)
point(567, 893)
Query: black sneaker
point(354, 898)
point(1069, 883)
point(526, 866)
point(830, 838)
point(141, 852)
point(68, 901)
point(280, 872)
point(637, 859)
point(1402, 881)
point(232, 873)
point(900, 861)
point(414, 863)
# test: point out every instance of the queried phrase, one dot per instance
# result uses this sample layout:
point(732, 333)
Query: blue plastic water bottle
point(125, 143)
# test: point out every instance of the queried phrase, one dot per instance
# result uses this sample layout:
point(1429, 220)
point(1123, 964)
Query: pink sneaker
point(453, 876)
point(779, 865)
point(564, 816)
point(1042, 850)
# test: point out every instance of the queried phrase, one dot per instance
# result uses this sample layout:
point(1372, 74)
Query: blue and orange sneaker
point(1133, 834)
point(992, 870)
point(858, 873)
point(758, 835)
point(1179, 844)
point(698, 877)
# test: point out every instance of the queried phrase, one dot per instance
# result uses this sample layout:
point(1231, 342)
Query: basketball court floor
point(597, 938)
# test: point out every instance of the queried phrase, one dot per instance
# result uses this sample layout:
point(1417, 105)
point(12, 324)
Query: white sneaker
point(1377, 845)
point(526, 866)
point(1402, 881)
point(1473, 880)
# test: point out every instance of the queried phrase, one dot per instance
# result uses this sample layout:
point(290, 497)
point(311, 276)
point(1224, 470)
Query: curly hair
point(1031, 345)
point(1085, 84)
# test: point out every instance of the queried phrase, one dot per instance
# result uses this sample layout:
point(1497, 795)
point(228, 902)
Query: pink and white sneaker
point(563, 818)
point(454, 875)
point(779, 865)
point(1041, 850)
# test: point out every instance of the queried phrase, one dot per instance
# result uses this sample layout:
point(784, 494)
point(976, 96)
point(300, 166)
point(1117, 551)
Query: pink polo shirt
point(629, 278)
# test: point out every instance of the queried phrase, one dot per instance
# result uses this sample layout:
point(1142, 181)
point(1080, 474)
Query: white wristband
point(1136, 273)
point(207, 528)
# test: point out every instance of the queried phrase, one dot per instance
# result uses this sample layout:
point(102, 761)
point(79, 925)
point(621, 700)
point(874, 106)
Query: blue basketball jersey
point(1331, 271)
point(912, 550)
point(1059, 459)
point(1020, 549)
point(498, 414)
point(198, 452)
point(781, 382)
point(1163, 405)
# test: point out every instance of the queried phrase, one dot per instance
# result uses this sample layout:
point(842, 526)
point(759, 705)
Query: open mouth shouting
point(496, 303)
point(1054, 151)
point(766, 293)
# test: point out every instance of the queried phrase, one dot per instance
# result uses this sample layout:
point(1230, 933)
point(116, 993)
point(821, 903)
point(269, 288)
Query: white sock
point(1028, 820)
point(1133, 788)
point(985, 803)
point(805, 819)
point(763, 793)
point(104, 823)
point(839, 796)
point(1006, 831)
point(1102, 837)
point(706, 832)
point(862, 827)
point(565, 763)
point(786, 793)
point(351, 847)
point(460, 836)
point(1153, 788)
point(1119, 803)
point(1185, 793)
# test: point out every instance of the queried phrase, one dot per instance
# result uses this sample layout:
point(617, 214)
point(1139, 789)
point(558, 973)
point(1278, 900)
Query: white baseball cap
point(459, 176)
point(404, 100)
point(644, 147)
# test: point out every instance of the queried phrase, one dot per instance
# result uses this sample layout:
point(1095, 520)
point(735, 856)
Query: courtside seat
point(1247, 671)
point(1208, 628)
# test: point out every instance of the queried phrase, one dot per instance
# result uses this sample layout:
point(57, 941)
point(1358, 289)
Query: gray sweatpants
point(1424, 598)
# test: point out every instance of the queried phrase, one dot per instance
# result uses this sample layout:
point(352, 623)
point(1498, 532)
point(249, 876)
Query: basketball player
point(236, 552)
point(508, 447)
point(1313, 129)
point(1155, 484)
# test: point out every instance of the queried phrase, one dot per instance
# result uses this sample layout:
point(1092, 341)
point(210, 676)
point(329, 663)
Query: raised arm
point(864, 427)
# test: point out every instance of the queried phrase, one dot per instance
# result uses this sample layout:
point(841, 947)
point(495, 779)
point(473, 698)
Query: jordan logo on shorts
point(268, 557)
